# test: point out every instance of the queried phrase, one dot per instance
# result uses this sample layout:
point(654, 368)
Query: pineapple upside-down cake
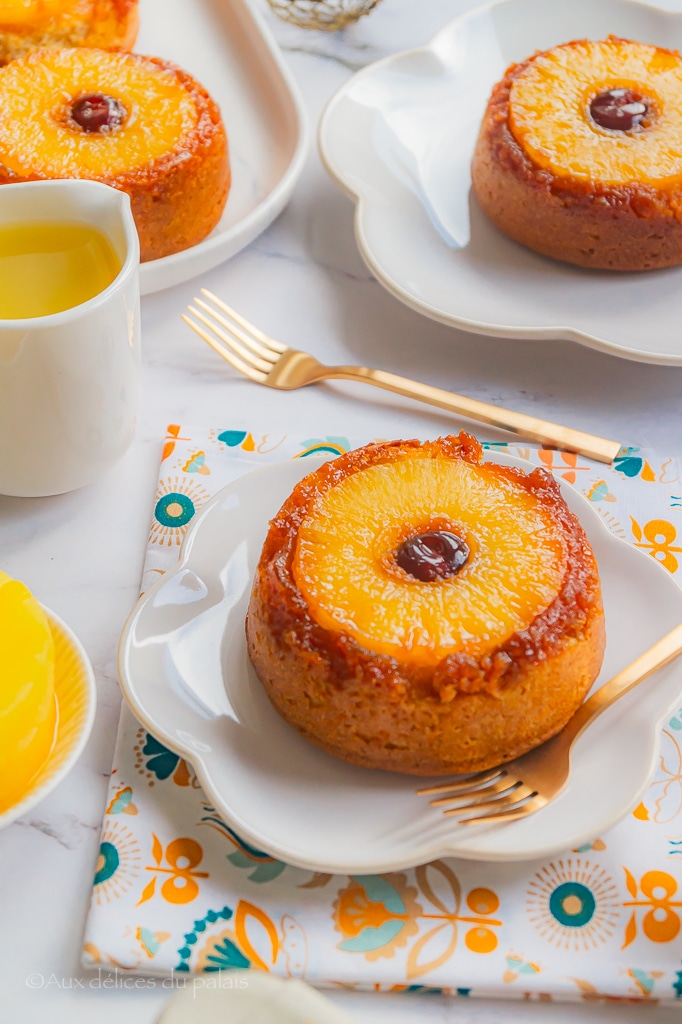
point(579, 155)
point(419, 610)
point(140, 124)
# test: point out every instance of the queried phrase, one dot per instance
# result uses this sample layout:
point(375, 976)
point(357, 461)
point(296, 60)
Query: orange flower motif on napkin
point(171, 439)
point(376, 914)
point(661, 922)
point(565, 464)
point(658, 537)
point(182, 858)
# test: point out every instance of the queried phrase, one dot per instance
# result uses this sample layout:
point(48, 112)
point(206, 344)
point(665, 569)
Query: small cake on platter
point(28, 711)
point(418, 610)
point(140, 124)
point(579, 155)
point(40, 24)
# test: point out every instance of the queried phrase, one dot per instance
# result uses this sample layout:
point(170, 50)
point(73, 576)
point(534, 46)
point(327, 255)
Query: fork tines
point(244, 346)
point(494, 792)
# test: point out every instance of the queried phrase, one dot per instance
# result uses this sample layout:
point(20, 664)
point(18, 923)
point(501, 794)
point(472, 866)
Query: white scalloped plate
point(399, 137)
point(185, 673)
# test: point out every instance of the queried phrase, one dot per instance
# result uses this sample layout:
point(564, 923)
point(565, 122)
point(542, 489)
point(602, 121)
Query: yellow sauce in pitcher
point(48, 267)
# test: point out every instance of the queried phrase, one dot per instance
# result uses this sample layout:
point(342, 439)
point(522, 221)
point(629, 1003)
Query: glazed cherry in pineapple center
point(97, 112)
point(435, 554)
point(619, 109)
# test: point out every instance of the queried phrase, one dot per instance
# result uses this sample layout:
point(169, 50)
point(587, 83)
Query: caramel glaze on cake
point(579, 155)
point(140, 124)
point(40, 24)
point(409, 702)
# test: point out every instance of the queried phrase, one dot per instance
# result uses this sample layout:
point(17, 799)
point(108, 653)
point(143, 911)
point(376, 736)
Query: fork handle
point(663, 652)
point(598, 448)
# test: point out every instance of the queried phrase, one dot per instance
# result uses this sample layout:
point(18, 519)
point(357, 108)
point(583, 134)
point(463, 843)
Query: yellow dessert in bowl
point(28, 711)
point(47, 699)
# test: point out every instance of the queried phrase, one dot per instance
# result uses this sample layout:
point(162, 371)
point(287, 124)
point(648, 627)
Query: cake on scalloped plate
point(579, 155)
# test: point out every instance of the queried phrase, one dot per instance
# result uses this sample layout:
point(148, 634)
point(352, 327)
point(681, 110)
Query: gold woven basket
point(327, 15)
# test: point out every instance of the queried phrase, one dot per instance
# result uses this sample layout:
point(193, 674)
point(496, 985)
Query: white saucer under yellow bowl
point(75, 693)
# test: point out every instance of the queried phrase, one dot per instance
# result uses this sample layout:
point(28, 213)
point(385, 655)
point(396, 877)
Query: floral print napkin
point(176, 890)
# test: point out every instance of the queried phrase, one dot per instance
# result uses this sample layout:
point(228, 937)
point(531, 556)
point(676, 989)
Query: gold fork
point(269, 362)
point(525, 785)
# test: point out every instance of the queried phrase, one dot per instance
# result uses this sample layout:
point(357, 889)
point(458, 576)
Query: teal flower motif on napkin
point(107, 863)
point(162, 761)
point(232, 438)
point(573, 904)
point(174, 509)
point(262, 866)
point(155, 762)
point(223, 952)
point(118, 864)
point(630, 464)
point(225, 956)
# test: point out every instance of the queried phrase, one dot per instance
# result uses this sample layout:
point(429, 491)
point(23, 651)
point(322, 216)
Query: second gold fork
point(269, 362)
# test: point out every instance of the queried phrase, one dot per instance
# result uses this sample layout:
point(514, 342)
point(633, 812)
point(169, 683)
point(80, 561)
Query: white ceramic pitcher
point(69, 382)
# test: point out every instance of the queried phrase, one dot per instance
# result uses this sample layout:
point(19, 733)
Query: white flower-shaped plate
point(185, 673)
point(399, 137)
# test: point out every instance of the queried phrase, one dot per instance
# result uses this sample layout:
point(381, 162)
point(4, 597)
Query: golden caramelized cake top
point(42, 130)
point(31, 24)
point(36, 13)
point(608, 111)
point(417, 554)
point(349, 568)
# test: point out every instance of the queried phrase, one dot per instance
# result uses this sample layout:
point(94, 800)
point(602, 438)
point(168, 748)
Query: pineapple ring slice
point(344, 563)
point(549, 112)
point(37, 137)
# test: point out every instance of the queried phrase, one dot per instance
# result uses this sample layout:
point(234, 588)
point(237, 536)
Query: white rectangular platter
point(226, 46)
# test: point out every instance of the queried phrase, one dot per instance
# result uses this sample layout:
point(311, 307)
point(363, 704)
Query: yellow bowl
point(75, 693)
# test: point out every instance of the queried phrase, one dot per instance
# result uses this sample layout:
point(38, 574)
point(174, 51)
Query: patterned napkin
point(177, 890)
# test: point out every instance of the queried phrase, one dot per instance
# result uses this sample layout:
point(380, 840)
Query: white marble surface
point(82, 553)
